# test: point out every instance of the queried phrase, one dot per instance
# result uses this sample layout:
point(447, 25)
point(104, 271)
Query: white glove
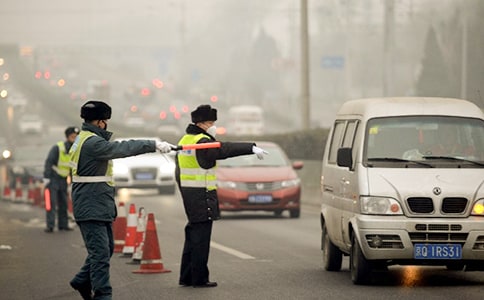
point(163, 147)
point(45, 181)
point(259, 152)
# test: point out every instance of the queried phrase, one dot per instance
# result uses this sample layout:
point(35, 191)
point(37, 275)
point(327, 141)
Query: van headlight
point(478, 208)
point(380, 206)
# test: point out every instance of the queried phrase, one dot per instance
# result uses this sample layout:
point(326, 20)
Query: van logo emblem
point(437, 190)
point(259, 186)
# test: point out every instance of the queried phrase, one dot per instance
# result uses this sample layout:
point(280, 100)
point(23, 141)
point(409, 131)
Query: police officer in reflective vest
point(93, 194)
point(195, 174)
point(56, 172)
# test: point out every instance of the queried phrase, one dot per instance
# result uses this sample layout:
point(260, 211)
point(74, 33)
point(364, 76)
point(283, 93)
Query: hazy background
point(230, 52)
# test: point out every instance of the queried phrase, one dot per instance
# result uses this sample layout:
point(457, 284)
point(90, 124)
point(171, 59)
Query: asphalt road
point(253, 256)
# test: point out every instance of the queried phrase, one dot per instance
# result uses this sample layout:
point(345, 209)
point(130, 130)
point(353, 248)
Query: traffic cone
point(31, 191)
point(130, 238)
point(38, 193)
point(6, 192)
point(119, 229)
point(18, 190)
point(151, 261)
point(140, 238)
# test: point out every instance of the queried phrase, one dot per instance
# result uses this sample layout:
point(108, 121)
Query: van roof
point(402, 106)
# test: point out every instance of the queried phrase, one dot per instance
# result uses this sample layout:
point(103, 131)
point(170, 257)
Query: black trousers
point(194, 269)
point(58, 204)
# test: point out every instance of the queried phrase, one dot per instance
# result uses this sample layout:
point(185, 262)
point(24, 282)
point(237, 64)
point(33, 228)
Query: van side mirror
point(344, 157)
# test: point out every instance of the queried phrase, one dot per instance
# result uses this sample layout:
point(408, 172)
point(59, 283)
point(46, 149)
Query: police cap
point(71, 130)
point(204, 113)
point(95, 110)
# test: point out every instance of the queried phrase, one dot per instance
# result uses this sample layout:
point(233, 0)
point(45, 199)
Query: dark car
point(246, 183)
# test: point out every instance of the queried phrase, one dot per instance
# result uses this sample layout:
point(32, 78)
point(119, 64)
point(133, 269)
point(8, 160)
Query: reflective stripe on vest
point(86, 179)
point(63, 162)
point(75, 153)
point(191, 174)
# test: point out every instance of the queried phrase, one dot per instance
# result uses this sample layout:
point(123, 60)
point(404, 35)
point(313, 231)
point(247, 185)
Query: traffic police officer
point(93, 194)
point(56, 172)
point(196, 179)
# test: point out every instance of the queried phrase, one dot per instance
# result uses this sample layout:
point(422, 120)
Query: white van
point(403, 184)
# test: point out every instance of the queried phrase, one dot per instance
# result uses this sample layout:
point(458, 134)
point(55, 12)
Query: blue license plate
point(437, 251)
point(144, 176)
point(260, 198)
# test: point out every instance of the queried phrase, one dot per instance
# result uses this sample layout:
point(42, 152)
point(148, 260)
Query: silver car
point(146, 171)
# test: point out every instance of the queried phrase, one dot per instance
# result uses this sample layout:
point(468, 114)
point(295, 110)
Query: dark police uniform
point(93, 198)
point(57, 169)
point(197, 183)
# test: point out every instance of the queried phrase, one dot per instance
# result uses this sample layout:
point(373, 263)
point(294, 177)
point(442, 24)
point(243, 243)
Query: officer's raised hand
point(163, 147)
point(259, 152)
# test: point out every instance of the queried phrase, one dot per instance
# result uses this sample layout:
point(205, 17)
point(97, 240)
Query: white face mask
point(212, 130)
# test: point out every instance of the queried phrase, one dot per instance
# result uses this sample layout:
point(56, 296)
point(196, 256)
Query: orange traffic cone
point(151, 261)
point(140, 238)
point(18, 190)
point(38, 193)
point(119, 229)
point(130, 238)
point(6, 192)
point(31, 191)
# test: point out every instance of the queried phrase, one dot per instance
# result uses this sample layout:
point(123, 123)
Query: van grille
point(438, 227)
point(438, 237)
point(420, 205)
point(454, 205)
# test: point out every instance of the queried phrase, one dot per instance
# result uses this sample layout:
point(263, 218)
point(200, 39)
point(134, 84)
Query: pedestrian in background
point(93, 194)
point(196, 179)
point(56, 174)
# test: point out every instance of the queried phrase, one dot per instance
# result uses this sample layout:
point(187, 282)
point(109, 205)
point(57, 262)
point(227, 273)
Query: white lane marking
point(231, 251)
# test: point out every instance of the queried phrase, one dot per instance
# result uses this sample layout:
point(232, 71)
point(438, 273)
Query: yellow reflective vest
point(191, 174)
point(75, 153)
point(62, 168)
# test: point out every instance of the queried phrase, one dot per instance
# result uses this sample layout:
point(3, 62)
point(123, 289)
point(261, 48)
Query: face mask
point(105, 125)
point(212, 130)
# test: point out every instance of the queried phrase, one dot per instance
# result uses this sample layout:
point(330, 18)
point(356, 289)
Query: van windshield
point(433, 139)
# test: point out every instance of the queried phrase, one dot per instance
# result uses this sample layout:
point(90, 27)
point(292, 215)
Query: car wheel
point(332, 256)
point(360, 267)
point(295, 213)
point(278, 213)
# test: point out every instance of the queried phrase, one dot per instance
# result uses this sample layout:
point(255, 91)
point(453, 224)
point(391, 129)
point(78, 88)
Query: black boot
point(84, 290)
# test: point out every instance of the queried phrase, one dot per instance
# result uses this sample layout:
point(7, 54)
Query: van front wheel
point(360, 267)
point(332, 256)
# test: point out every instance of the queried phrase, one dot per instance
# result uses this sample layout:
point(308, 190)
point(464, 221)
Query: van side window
point(349, 134)
point(339, 128)
point(349, 137)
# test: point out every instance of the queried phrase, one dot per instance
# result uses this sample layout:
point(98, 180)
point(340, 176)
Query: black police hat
point(204, 113)
point(71, 130)
point(95, 110)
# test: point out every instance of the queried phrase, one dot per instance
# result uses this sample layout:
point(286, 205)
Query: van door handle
point(344, 181)
point(327, 188)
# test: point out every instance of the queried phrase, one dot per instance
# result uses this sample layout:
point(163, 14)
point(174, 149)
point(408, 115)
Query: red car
point(271, 184)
